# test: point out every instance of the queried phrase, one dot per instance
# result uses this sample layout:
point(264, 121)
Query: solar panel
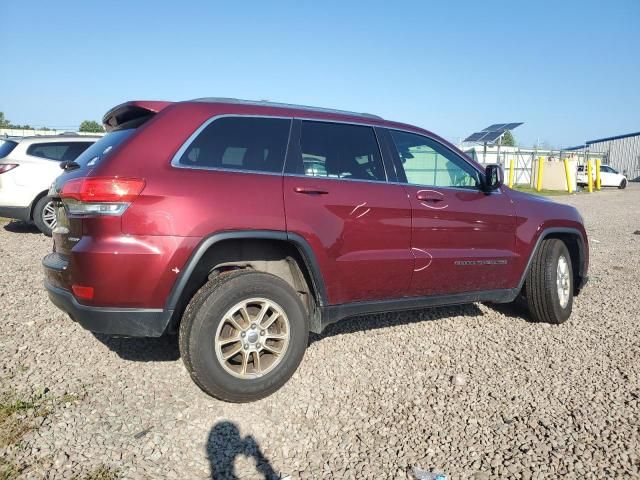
point(495, 127)
point(491, 133)
point(511, 126)
point(475, 137)
point(491, 137)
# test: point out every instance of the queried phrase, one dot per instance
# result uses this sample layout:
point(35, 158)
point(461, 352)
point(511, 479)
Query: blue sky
point(569, 69)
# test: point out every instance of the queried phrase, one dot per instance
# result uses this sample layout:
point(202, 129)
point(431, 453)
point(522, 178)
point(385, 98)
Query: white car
point(28, 166)
point(609, 177)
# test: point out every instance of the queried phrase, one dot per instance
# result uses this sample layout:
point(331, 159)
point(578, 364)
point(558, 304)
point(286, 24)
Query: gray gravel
point(474, 391)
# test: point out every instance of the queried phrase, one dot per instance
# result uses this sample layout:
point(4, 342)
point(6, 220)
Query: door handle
point(310, 191)
point(428, 197)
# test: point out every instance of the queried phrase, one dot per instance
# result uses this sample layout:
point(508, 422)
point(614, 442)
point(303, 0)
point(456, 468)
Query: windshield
point(6, 147)
point(96, 152)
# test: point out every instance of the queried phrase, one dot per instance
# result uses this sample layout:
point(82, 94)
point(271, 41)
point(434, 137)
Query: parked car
point(609, 177)
point(28, 166)
point(242, 226)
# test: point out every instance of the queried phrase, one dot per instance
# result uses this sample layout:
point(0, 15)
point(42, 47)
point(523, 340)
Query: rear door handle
point(310, 191)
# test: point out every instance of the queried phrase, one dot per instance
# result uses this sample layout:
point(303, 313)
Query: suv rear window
point(60, 151)
point(239, 143)
point(98, 150)
point(6, 147)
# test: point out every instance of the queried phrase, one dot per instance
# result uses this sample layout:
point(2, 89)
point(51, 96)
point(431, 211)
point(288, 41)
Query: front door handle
point(429, 196)
point(310, 190)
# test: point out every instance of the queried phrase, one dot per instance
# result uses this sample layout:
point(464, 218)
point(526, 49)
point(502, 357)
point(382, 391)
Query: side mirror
point(493, 177)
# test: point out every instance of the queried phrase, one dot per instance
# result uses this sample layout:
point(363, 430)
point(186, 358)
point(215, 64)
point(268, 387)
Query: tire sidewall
point(623, 184)
point(560, 314)
point(37, 215)
point(211, 374)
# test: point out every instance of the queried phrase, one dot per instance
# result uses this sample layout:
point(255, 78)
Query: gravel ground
point(473, 391)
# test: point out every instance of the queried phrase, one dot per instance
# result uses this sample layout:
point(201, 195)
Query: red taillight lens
point(5, 167)
point(81, 291)
point(103, 189)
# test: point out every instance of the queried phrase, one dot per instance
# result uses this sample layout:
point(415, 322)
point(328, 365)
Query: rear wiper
point(69, 165)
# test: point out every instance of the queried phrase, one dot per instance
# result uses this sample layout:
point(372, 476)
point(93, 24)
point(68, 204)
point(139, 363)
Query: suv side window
point(59, 151)
point(336, 150)
point(240, 143)
point(428, 162)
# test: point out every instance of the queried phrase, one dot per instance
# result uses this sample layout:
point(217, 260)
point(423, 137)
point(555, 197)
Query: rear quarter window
point(59, 151)
point(6, 147)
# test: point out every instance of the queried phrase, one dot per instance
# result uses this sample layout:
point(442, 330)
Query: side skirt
point(335, 313)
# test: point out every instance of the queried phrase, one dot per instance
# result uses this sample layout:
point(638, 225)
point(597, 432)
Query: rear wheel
point(44, 215)
point(243, 335)
point(623, 184)
point(549, 283)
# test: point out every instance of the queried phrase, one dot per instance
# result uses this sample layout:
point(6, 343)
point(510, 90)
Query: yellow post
point(598, 184)
point(589, 177)
point(511, 173)
point(568, 175)
point(539, 179)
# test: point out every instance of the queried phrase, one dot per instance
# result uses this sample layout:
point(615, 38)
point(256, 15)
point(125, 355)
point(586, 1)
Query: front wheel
point(623, 184)
point(549, 283)
point(243, 335)
point(44, 216)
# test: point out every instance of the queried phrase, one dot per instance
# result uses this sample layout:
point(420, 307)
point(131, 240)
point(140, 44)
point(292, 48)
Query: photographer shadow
point(225, 444)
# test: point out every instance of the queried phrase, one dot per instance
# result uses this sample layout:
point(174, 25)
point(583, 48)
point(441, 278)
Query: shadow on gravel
point(511, 310)
point(21, 227)
point(162, 349)
point(225, 444)
point(384, 320)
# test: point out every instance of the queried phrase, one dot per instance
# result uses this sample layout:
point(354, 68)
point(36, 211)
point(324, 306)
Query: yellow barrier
point(589, 176)
point(598, 184)
point(568, 175)
point(511, 173)
point(539, 179)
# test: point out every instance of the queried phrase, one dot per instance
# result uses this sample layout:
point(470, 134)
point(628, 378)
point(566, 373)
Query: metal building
point(621, 152)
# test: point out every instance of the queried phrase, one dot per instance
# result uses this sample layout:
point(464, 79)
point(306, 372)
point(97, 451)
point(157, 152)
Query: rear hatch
point(121, 123)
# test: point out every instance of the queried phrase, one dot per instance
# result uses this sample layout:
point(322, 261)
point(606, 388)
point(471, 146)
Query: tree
point(91, 126)
point(4, 123)
point(508, 140)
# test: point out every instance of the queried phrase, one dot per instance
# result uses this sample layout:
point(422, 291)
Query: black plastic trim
point(126, 322)
point(582, 275)
point(303, 247)
point(335, 313)
point(19, 213)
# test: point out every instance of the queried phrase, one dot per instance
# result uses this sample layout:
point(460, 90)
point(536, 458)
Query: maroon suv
point(244, 225)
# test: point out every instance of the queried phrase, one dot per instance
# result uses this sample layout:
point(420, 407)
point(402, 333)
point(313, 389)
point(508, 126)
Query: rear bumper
point(126, 322)
point(19, 213)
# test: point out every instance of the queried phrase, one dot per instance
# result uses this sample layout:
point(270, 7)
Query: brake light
point(5, 167)
point(100, 195)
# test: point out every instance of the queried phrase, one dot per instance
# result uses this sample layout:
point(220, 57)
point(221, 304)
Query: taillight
point(100, 195)
point(5, 167)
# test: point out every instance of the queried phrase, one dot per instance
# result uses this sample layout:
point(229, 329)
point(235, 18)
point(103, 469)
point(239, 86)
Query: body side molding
point(335, 313)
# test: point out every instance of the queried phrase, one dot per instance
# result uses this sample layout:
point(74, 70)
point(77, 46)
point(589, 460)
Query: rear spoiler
point(125, 112)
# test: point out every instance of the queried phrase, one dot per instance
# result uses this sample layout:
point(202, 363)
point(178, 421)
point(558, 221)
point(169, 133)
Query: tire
point(44, 215)
point(623, 184)
point(542, 291)
point(205, 322)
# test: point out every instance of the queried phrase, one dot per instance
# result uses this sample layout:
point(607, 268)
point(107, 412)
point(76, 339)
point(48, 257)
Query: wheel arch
point(34, 202)
point(265, 250)
point(576, 244)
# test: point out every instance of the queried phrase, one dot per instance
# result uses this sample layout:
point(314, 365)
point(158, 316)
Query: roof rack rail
point(267, 103)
